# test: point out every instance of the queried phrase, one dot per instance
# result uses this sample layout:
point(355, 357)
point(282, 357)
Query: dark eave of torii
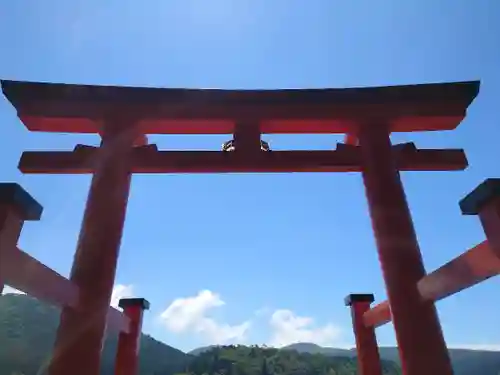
point(68, 108)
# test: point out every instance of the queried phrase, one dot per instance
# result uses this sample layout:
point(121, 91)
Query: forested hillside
point(465, 362)
point(27, 333)
point(242, 360)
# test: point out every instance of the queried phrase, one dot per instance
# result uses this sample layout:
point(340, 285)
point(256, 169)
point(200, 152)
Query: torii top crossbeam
point(78, 108)
point(247, 114)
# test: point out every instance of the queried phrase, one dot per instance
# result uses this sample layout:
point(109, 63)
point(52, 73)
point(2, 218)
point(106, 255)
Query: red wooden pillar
point(366, 341)
point(16, 206)
point(422, 348)
point(485, 202)
point(127, 356)
point(80, 335)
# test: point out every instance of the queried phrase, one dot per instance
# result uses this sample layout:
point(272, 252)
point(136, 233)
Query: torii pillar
point(80, 335)
point(418, 331)
point(366, 341)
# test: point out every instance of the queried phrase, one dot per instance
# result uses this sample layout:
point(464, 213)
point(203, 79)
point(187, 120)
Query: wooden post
point(366, 341)
point(127, 356)
point(421, 344)
point(16, 206)
point(484, 201)
point(80, 335)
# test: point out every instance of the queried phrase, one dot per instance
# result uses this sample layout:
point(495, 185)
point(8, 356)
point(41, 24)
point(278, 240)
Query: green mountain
point(465, 362)
point(27, 333)
point(305, 347)
point(253, 360)
point(202, 349)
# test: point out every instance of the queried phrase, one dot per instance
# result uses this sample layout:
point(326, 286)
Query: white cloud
point(121, 291)
point(263, 311)
point(190, 314)
point(9, 290)
point(288, 328)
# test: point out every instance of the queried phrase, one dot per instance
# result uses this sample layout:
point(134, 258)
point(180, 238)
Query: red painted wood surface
point(418, 331)
point(127, 354)
point(117, 321)
point(80, 334)
point(147, 160)
point(81, 108)
point(27, 274)
point(490, 220)
point(470, 268)
point(378, 315)
point(368, 355)
point(11, 225)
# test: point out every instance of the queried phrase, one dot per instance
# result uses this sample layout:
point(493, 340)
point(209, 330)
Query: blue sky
point(277, 269)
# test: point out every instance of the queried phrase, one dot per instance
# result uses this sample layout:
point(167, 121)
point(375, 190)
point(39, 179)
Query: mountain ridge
point(28, 329)
point(465, 361)
point(27, 334)
point(28, 326)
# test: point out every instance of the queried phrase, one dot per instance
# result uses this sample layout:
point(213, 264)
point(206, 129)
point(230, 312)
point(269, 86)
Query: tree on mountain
point(264, 370)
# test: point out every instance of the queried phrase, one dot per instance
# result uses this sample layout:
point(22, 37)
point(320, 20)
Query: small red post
point(81, 330)
point(127, 356)
point(366, 341)
point(247, 137)
point(16, 207)
point(421, 344)
point(484, 201)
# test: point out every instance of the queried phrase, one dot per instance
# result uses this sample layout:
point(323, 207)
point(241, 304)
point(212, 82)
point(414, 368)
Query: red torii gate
point(23, 272)
point(123, 115)
point(468, 269)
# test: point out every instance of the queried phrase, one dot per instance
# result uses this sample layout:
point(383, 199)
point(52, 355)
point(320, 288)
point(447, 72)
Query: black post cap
point(353, 298)
point(129, 302)
point(483, 194)
point(13, 194)
point(408, 147)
